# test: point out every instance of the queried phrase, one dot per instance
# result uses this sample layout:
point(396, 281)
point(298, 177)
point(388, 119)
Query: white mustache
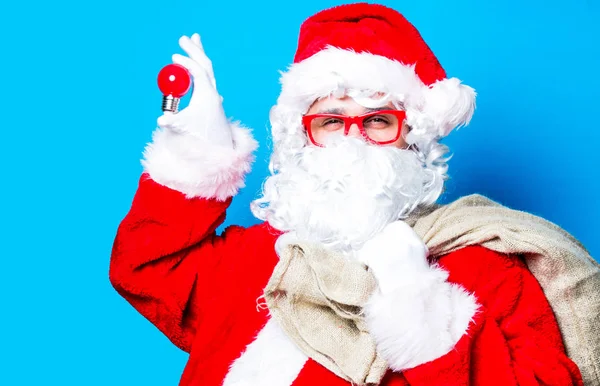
point(344, 193)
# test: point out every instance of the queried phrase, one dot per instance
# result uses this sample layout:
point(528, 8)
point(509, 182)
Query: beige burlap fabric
point(316, 295)
point(569, 276)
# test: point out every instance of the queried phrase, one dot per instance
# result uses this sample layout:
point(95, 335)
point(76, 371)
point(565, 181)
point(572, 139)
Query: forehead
point(346, 103)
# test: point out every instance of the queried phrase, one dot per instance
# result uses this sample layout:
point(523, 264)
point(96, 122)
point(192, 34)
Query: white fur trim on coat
point(437, 108)
point(199, 169)
point(420, 320)
point(272, 359)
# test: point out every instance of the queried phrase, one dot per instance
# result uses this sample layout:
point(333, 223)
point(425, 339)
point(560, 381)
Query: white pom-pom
point(449, 104)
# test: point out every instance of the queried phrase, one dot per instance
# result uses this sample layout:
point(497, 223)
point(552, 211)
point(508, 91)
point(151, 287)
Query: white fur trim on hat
point(436, 108)
point(199, 169)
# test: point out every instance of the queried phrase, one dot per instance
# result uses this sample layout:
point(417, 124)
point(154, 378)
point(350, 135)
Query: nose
point(354, 131)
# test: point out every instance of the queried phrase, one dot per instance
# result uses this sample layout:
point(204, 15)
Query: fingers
point(175, 122)
point(200, 68)
point(195, 51)
point(196, 70)
point(193, 47)
point(209, 68)
point(164, 121)
point(196, 40)
point(167, 120)
point(202, 83)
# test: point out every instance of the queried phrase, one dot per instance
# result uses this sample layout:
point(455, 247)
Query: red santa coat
point(201, 289)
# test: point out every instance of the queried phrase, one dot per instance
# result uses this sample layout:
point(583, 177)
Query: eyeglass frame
point(358, 120)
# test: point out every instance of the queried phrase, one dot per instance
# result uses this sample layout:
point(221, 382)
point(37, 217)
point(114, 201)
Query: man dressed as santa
point(342, 282)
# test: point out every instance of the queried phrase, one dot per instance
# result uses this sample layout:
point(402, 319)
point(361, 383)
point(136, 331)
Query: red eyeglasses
point(379, 127)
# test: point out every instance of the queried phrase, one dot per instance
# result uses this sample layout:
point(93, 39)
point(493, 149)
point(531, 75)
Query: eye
point(377, 121)
point(331, 121)
point(328, 124)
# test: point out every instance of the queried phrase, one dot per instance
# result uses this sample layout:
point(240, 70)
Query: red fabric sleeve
point(513, 340)
point(166, 247)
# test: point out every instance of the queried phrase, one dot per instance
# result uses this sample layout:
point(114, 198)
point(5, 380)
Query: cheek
point(401, 143)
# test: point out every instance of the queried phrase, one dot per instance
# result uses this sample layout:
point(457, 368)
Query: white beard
point(345, 193)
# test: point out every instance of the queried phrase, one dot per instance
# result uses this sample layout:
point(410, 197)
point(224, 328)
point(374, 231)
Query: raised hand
point(204, 117)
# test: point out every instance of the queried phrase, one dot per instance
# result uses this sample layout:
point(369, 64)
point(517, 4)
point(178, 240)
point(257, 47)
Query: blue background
point(79, 102)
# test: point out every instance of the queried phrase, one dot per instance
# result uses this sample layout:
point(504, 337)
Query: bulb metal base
point(170, 103)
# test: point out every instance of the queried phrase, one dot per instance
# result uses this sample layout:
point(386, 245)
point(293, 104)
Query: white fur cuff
point(421, 320)
point(197, 168)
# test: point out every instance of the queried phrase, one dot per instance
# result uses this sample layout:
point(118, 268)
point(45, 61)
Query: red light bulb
point(174, 82)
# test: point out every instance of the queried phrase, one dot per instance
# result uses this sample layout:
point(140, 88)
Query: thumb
point(166, 121)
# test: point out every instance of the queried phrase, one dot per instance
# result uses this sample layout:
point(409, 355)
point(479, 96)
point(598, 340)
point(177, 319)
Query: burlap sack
point(316, 295)
point(567, 273)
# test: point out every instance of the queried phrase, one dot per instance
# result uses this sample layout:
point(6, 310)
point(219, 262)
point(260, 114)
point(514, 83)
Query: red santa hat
point(370, 47)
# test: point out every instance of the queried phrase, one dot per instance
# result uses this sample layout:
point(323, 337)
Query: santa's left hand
point(416, 315)
point(396, 252)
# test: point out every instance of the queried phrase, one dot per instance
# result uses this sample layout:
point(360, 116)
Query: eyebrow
point(340, 111)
